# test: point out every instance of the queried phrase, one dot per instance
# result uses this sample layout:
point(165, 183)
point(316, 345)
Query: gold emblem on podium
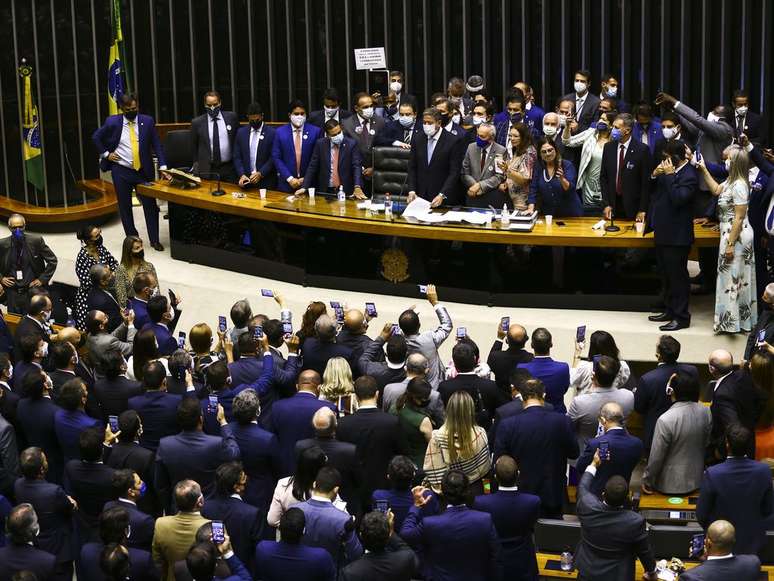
point(394, 265)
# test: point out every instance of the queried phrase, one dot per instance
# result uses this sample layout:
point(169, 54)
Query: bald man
point(765, 323)
point(502, 363)
point(353, 334)
point(722, 564)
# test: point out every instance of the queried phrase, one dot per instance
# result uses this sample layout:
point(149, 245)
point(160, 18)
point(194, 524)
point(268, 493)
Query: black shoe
point(157, 246)
point(660, 318)
point(675, 326)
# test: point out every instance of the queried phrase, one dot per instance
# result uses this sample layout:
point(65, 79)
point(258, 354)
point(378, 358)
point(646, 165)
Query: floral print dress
point(735, 298)
point(83, 264)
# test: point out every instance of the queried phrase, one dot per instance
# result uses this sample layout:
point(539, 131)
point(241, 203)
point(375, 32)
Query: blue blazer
point(459, 544)
point(291, 421)
point(739, 491)
point(107, 138)
point(549, 196)
point(264, 162)
point(318, 173)
point(654, 133)
point(533, 119)
point(36, 418)
point(142, 524)
point(671, 207)
point(68, 426)
point(625, 454)
point(5, 511)
point(326, 527)
point(164, 336)
point(283, 152)
point(243, 522)
point(54, 515)
point(102, 300)
point(24, 557)
point(278, 561)
point(394, 131)
point(317, 354)
point(140, 309)
point(514, 515)
point(158, 413)
point(261, 462)
point(555, 375)
point(283, 380)
point(6, 339)
point(141, 565)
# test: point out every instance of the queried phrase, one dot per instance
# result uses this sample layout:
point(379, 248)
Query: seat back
point(556, 535)
point(390, 170)
point(669, 541)
point(178, 148)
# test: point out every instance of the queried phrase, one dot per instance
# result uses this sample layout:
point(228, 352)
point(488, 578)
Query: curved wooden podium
point(103, 204)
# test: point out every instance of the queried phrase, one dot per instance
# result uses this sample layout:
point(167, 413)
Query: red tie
point(618, 184)
point(335, 179)
point(483, 160)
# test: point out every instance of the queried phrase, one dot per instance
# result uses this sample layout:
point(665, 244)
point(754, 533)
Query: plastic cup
point(639, 227)
point(262, 192)
point(549, 219)
point(311, 193)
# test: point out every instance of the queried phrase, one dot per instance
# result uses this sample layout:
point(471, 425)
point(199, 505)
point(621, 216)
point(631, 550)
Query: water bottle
point(341, 195)
point(387, 205)
point(565, 564)
point(505, 217)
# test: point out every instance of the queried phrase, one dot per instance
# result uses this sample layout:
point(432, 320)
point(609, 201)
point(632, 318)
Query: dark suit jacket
point(107, 138)
point(653, 131)
point(101, 300)
point(91, 485)
point(555, 375)
point(343, 457)
point(42, 259)
point(164, 335)
point(371, 363)
point(283, 152)
point(26, 327)
point(68, 426)
point(502, 363)
point(754, 128)
point(278, 561)
point(140, 460)
point(737, 567)
point(17, 558)
point(611, 538)
point(513, 407)
point(58, 378)
point(54, 515)
point(484, 392)
point(766, 324)
point(358, 343)
point(200, 137)
point(589, 111)
point(317, 117)
point(457, 544)
point(351, 126)
point(541, 441)
point(316, 355)
point(260, 460)
point(635, 179)
point(142, 524)
point(263, 160)
point(36, 419)
point(735, 400)
point(113, 394)
point(141, 565)
point(140, 309)
point(394, 131)
point(514, 515)
point(318, 173)
point(671, 211)
point(625, 454)
point(158, 413)
point(442, 174)
point(739, 491)
point(243, 522)
point(396, 563)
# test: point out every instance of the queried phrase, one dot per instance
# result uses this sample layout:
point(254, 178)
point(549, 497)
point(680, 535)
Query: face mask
point(668, 132)
point(330, 111)
point(406, 120)
point(18, 233)
point(615, 134)
point(742, 111)
point(429, 129)
point(602, 126)
point(98, 241)
point(143, 489)
point(580, 87)
point(456, 119)
point(337, 139)
point(155, 292)
point(213, 111)
point(256, 124)
point(298, 120)
point(482, 143)
point(395, 86)
point(44, 350)
point(130, 115)
point(444, 119)
point(550, 130)
point(516, 118)
point(600, 429)
point(478, 120)
point(612, 91)
point(367, 113)
point(139, 255)
point(529, 106)
point(712, 118)
point(727, 163)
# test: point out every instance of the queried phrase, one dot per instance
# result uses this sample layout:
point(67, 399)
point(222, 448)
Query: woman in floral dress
point(92, 252)
point(518, 167)
point(735, 297)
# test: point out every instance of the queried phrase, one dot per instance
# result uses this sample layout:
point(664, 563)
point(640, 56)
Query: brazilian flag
point(118, 73)
point(32, 148)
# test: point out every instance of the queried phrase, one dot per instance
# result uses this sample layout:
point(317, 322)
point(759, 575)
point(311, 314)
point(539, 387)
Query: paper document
point(418, 207)
point(475, 217)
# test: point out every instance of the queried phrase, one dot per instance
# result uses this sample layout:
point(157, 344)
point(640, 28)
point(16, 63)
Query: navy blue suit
point(459, 544)
point(555, 375)
point(36, 418)
point(283, 562)
point(167, 342)
point(263, 160)
point(142, 524)
point(654, 133)
point(247, 369)
point(514, 514)
point(318, 118)
point(54, 515)
point(316, 355)
point(158, 413)
point(106, 139)
point(141, 565)
point(91, 485)
point(6, 339)
point(739, 491)
point(625, 454)
point(736, 567)
point(291, 421)
point(113, 395)
point(24, 557)
point(261, 462)
point(140, 308)
point(541, 441)
point(243, 522)
point(394, 131)
point(68, 426)
point(284, 153)
point(318, 173)
point(101, 300)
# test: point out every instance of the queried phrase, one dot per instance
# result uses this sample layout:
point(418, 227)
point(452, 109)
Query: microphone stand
point(612, 227)
point(218, 191)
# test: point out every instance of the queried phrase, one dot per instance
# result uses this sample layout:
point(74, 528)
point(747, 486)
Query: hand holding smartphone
point(604, 451)
point(505, 324)
point(462, 332)
point(222, 324)
point(580, 334)
point(370, 309)
point(218, 532)
point(113, 420)
point(181, 340)
point(265, 292)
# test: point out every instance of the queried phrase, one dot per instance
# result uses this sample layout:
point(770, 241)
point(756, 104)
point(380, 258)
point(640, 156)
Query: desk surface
point(325, 212)
point(655, 501)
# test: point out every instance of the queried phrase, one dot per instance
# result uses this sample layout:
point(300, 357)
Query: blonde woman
point(459, 444)
point(735, 303)
point(337, 386)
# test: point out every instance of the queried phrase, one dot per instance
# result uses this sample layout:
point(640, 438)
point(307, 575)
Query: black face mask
point(139, 255)
point(256, 124)
point(214, 111)
point(98, 241)
point(130, 115)
point(445, 119)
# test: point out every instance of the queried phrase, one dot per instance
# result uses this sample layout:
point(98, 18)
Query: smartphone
point(370, 310)
point(697, 546)
point(287, 328)
point(561, 223)
point(265, 292)
point(172, 297)
point(212, 404)
point(126, 312)
point(339, 315)
point(222, 324)
point(604, 450)
point(181, 340)
point(761, 336)
point(335, 304)
point(258, 333)
point(461, 332)
point(487, 485)
point(218, 532)
point(505, 324)
point(580, 334)
point(113, 420)
point(382, 506)
point(422, 288)
point(396, 330)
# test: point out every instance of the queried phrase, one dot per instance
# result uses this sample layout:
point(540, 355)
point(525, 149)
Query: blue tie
point(430, 149)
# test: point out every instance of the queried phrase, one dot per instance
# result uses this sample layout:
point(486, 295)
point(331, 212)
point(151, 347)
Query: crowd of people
point(270, 446)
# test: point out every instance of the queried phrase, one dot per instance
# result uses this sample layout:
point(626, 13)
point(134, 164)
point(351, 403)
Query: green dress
point(414, 443)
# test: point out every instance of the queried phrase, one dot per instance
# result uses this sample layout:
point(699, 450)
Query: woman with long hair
point(459, 444)
point(92, 252)
point(297, 488)
point(600, 343)
point(313, 312)
point(337, 386)
point(517, 167)
point(132, 263)
point(736, 306)
point(414, 423)
point(553, 183)
point(145, 350)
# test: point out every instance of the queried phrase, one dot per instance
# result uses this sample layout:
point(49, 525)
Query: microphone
point(612, 227)
point(218, 191)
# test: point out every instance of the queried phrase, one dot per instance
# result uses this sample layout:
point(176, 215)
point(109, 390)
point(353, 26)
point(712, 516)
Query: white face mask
point(529, 105)
point(337, 139)
point(456, 119)
point(669, 132)
point(367, 113)
point(298, 120)
point(612, 91)
point(580, 87)
point(712, 118)
point(331, 111)
point(478, 120)
point(429, 129)
point(395, 86)
point(406, 120)
point(550, 130)
point(562, 120)
point(44, 350)
point(742, 111)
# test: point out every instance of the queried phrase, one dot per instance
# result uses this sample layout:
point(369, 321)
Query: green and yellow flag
point(118, 73)
point(31, 149)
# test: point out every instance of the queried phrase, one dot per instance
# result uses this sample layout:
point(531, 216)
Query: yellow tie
point(135, 146)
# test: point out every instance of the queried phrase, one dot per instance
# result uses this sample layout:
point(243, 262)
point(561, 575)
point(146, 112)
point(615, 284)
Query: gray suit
point(488, 179)
point(9, 457)
point(676, 462)
point(584, 410)
point(121, 340)
point(38, 262)
point(427, 344)
point(353, 127)
point(716, 135)
point(392, 391)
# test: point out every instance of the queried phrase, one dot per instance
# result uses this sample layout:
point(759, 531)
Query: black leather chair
point(556, 535)
point(390, 170)
point(669, 541)
point(178, 149)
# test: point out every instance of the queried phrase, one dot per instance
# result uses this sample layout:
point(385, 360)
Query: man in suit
point(646, 130)
point(402, 131)
point(192, 454)
point(650, 399)
point(738, 490)
point(460, 543)
point(288, 558)
point(34, 350)
point(336, 163)
point(480, 174)
point(34, 324)
point(514, 113)
point(36, 418)
point(144, 286)
point(156, 408)
point(114, 390)
point(514, 514)
point(765, 323)
point(292, 148)
point(745, 121)
point(71, 420)
point(54, 507)
point(331, 109)
point(204, 559)
point(164, 316)
point(434, 165)
point(720, 562)
point(504, 362)
point(130, 488)
point(393, 369)
point(611, 535)
point(252, 151)
point(20, 554)
point(99, 341)
point(386, 555)
point(519, 378)
point(398, 86)
point(26, 262)
point(100, 299)
point(9, 454)
point(321, 348)
point(127, 454)
point(625, 449)
point(63, 356)
point(671, 219)
point(174, 535)
point(124, 143)
point(243, 521)
point(555, 375)
point(212, 140)
point(586, 103)
point(363, 127)
point(541, 441)
point(625, 173)
point(353, 333)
